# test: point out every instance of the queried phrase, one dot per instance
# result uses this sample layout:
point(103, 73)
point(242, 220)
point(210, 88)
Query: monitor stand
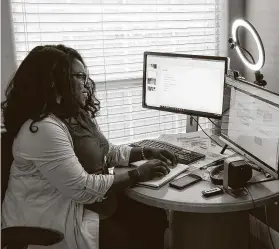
point(192, 125)
point(237, 193)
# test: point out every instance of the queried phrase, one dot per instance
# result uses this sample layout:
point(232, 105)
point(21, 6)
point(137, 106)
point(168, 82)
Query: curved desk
point(196, 222)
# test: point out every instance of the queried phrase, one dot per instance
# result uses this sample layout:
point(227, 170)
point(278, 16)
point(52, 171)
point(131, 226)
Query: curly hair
point(43, 76)
point(92, 104)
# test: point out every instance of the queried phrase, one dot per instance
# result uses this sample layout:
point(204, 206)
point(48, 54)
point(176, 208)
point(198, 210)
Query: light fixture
point(235, 43)
point(235, 27)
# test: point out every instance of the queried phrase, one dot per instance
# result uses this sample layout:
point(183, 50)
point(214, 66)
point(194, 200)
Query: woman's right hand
point(151, 169)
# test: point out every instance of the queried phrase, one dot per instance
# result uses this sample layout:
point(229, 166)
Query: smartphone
point(185, 181)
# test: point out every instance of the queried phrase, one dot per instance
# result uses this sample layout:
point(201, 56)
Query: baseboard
point(260, 231)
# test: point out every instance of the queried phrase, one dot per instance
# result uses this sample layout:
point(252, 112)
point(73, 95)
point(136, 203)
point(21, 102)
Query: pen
point(218, 162)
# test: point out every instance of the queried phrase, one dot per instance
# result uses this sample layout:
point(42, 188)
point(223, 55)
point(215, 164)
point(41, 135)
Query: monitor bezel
point(175, 110)
point(241, 150)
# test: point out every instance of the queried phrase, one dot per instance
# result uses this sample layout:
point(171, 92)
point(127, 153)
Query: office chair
point(19, 237)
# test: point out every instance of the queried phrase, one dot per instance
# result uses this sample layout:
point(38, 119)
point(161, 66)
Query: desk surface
point(191, 199)
point(215, 219)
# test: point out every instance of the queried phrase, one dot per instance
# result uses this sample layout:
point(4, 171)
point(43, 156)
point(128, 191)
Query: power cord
point(269, 233)
point(222, 121)
point(266, 219)
point(258, 75)
point(245, 50)
point(214, 123)
point(254, 206)
point(204, 131)
point(259, 78)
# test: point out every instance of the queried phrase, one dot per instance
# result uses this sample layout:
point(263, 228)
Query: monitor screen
point(188, 84)
point(251, 123)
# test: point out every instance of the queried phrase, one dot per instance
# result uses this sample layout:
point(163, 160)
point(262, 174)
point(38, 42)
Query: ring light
point(242, 23)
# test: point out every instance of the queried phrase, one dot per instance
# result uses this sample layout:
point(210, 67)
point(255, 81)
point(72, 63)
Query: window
point(112, 35)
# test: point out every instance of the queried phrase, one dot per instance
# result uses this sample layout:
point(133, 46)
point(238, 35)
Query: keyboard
point(184, 156)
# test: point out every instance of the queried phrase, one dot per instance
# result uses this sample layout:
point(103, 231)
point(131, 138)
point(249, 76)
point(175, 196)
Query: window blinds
point(112, 35)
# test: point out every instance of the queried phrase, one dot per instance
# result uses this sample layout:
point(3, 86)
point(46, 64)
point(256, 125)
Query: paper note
point(158, 182)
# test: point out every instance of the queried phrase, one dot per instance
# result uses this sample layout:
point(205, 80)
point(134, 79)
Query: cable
point(254, 206)
point(214, 123)
point(205, 132)
point(266, 221)
point(222, 121)
point(245, 50)
point(225, 110)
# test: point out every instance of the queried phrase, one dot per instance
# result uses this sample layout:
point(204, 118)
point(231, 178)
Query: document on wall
point(158, 182)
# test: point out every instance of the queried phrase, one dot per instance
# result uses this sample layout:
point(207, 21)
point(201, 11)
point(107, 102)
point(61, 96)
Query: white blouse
point(48, 186)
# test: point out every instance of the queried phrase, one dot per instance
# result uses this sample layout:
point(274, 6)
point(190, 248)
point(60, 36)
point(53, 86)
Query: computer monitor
point(250, 123)
point(182, 83)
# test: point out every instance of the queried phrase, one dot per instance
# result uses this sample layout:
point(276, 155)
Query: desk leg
point(209, 231)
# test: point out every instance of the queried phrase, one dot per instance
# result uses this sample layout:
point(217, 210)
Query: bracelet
point(143, 156)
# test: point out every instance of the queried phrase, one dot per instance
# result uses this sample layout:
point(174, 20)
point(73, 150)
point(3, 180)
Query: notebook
point(160, 181)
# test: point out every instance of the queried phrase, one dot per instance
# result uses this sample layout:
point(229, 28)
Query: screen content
point(252, 123)
point(182, 83)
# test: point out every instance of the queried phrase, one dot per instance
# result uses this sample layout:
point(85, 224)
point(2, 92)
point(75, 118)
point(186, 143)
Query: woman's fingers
point(159, 174)
point(170, 157)
point(162, 169)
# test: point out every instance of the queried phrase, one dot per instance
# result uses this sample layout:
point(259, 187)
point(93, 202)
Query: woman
point(48, 186)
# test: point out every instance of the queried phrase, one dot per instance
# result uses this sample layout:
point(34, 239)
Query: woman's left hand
point(161, 154)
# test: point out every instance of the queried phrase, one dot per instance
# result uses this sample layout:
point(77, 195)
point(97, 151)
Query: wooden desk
point(219, 222)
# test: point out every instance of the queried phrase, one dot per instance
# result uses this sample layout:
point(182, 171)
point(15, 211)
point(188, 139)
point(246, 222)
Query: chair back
point(20, 237)
point(6, 161)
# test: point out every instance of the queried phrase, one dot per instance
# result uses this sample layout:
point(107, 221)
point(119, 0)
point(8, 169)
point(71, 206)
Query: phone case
point(185, 181)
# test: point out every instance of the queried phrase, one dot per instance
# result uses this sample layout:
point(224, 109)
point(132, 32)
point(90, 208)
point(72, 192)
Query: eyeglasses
point(83, 77)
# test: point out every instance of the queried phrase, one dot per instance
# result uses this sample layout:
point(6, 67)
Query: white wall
point(8, 64)
point(264, 15)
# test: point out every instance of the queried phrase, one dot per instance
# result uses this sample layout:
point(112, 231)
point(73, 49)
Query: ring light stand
point(235, 44)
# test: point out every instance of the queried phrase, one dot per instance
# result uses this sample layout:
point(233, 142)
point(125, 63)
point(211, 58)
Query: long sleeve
point(118, 155)
point(51, 151)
